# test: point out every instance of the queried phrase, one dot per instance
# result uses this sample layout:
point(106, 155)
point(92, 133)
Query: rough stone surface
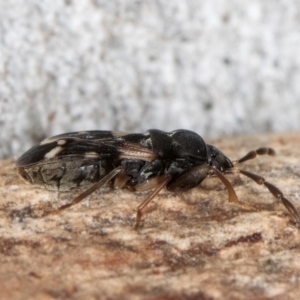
point(215, 67)
point(199, 248)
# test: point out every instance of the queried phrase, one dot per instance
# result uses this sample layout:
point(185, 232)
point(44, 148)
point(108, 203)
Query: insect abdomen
point(65, 175)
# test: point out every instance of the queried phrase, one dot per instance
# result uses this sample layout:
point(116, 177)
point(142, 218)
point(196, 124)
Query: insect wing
point(102, 145)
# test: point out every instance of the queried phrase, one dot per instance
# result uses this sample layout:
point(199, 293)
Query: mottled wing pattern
point(102, 145)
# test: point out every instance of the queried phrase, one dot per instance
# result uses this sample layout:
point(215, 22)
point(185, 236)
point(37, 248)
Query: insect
point(177, 160)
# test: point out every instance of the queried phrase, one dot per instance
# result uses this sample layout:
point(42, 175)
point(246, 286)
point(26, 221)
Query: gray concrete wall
point(215, 67)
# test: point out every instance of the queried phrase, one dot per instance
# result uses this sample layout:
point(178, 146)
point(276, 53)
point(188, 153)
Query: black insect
point(178, 160)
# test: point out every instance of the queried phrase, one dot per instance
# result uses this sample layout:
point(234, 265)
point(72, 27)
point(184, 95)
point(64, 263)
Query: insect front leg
point(212, 171)
point(188, 179)
point(192, 177)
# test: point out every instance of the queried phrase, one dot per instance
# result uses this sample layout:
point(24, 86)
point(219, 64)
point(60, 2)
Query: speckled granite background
point(215, 67)
point(201, 248)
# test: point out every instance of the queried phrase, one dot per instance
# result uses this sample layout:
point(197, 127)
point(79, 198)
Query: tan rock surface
point(201, 248)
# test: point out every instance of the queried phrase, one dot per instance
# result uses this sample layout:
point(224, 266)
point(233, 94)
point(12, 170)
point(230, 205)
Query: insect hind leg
point(89, 191)
point(275, 192)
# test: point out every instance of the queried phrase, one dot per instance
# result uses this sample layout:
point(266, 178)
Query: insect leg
point(252, 154)
point(275, 192)
point(89, 191)
point(148, 185)
point(231, 192)
point(188, 179)
point(121, 179)
point(161, 183)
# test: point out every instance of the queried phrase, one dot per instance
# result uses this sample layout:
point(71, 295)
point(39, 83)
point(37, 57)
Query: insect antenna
point(252, 154)
point(275, 192)
point(89, 191)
